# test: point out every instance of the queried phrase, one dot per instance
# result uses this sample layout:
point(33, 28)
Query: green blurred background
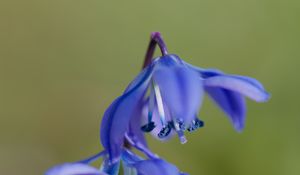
point(62, 62)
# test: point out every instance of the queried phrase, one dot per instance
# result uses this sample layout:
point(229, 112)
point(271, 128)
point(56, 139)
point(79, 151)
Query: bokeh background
point(62, 62)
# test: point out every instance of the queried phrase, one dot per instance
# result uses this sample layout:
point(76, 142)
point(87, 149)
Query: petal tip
point(239, 127)
point(264, 98)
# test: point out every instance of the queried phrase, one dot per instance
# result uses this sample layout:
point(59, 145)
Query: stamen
point(150, 125)
point(179, 127)
point(151, 105)
point(165, 131)
point(197, 123)
point(160, 105)
point(181, 136)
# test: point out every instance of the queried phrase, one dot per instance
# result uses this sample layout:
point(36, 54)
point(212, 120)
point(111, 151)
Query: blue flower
point(164, 99)
point(171, 92)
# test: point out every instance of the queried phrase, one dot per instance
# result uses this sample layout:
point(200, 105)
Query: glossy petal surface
point(232, 103)
point(244, 85)
point(181, 90)
point(156, 167)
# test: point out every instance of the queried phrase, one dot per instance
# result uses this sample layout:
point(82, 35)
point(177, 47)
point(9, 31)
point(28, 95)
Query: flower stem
point(156, 38)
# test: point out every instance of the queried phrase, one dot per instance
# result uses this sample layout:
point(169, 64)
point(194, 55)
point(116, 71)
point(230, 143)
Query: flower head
point(164, 99)
point(176, 91)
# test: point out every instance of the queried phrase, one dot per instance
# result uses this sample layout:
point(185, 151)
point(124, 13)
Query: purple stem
point(156, 38)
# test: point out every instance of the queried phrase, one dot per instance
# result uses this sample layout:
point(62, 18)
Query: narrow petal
point(92, 158)
point(74, 169)
point(156, 167)
point(244, 85)
point(117, 117)
point(259, 93)
point(228, 90)
point(181, 90)
point(232, 103)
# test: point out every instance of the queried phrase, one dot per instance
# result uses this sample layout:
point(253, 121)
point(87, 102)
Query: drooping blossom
point(171, 91)
point(164, 99)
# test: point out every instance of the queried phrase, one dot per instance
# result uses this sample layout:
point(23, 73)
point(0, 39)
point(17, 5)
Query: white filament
point(160, 105)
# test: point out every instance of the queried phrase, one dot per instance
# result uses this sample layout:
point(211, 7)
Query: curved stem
point(156, 38)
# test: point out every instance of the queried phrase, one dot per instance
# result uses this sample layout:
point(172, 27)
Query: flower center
point(156, 103)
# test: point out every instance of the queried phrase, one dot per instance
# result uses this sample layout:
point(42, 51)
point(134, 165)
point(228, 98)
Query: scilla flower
point(164, 99)
point(176, 90)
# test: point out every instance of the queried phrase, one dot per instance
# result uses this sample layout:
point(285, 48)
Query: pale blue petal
point(244, 85)
point(232, 103)
point(204, 73)
point(181, 90)
point(117, 117)
point(150, 166)
point(156, 167)
point(74, 169)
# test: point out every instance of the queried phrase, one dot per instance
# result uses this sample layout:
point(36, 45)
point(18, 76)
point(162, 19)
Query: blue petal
point(117, 117)
point(205, 73)
point(247, 86)
point(92, 158)
point(181, 90)
point(156, 167)
point(74, 169)
point(232, 103)
point(135, 125)
point(244, 85)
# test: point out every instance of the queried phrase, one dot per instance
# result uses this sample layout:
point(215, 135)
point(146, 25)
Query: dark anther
point(195, 125)
point(148, 127)
point(171, 124)
point(165, 131)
